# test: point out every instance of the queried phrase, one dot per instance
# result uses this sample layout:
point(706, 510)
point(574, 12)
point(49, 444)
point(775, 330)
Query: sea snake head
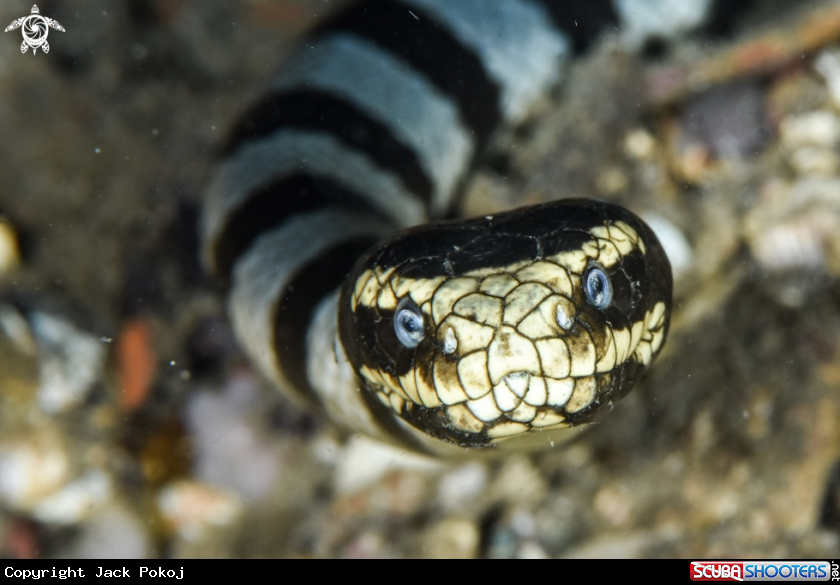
point(482, 331)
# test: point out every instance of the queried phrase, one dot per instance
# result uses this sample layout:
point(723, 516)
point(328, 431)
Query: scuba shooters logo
point(35, 29)
point(764, 571)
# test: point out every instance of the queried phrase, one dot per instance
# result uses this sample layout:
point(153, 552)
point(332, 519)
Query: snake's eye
point(408, 323)
point(596, 285)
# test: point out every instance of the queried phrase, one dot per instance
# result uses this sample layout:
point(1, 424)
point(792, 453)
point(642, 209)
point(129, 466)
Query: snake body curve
point(492, 332)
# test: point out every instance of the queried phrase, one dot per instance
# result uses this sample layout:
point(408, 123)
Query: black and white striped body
point(373, 126)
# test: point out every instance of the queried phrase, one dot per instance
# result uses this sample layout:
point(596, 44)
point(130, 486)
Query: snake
point(351, 290)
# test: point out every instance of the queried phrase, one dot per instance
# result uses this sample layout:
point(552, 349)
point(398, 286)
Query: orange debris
point(136, 361)
point(21, 541)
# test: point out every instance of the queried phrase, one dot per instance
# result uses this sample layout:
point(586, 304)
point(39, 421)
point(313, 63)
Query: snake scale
point(501, 331)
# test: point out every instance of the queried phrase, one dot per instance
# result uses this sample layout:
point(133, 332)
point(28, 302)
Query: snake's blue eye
point(408, 323)
point(596, 285)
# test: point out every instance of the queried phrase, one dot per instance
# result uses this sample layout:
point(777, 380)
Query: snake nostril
point(450, 342)
point(563, 318)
